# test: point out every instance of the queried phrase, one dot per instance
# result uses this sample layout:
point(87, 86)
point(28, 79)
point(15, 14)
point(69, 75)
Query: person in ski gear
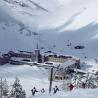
point(83, 85)
point(55, 89)
point(71, 86)
point(42, 90)
point(33, 91)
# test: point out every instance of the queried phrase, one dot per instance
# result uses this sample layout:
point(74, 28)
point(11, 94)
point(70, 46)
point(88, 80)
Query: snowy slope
point(33, 76)
point(53, 13)
point(29, 76)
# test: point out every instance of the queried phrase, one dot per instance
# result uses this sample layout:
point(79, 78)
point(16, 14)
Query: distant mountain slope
point(54, 23)
point(13, 33)
point(43, 14)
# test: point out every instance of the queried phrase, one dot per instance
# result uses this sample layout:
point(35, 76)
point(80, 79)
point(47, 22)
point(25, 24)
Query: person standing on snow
point(33, 91)
point(71, 86)
point(83, 85)
point(55, 89)
point(42, 90)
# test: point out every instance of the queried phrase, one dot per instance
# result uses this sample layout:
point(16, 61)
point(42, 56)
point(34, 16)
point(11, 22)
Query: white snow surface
point(38, 77)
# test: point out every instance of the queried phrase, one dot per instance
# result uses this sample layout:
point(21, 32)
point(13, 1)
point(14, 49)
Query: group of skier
point(34, 90)
point(55, 89)
point(71, 86)
point(83, 85)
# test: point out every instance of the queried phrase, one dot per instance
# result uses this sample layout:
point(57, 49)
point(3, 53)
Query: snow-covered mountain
point(57, 25)
point(54, 23)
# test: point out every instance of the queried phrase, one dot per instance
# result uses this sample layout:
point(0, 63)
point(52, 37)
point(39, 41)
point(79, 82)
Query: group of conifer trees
point(13, 91)
point(86, 81)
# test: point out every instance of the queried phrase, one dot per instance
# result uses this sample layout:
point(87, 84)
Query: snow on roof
point(67, 63)
point(81, 71)
point(62, 56)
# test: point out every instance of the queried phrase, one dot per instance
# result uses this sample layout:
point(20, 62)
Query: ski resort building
point(62, 58)
point(24, 56)
point(65, 68)
point(18, 57)
point(4, 58)
point(62, 63)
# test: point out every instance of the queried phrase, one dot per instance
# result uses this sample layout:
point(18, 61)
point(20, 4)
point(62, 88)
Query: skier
point(42, 90)
point(71, 86)
point(33, 91)
point(55, 89)
point(83, 85)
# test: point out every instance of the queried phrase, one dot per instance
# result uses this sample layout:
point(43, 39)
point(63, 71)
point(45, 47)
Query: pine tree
point(16, 91)
point(91, 81)
point(76, 80)
point(5, 87)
